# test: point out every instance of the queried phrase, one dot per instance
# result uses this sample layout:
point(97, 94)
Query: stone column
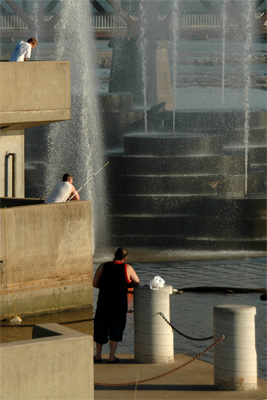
point(235, 358)
point(163, 77)
point(126, 71)
point(153, 337)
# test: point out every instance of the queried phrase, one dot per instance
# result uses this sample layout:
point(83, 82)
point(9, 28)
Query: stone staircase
point(185, 191)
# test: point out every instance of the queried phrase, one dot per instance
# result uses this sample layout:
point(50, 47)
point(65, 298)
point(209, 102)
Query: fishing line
point(77, 191)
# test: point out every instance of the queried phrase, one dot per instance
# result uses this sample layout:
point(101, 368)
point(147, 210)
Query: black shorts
point(109, 328)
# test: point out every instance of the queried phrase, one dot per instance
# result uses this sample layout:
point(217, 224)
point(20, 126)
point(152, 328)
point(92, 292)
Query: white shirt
point(60, 193)
point(22, 50)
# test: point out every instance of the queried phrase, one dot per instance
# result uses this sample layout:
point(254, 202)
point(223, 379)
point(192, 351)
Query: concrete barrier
point(57, 364)
point(235, 358)
point(153, 337)
point(47, 100)
point(45, 257)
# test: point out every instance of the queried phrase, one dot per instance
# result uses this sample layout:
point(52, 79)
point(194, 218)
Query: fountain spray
point(224, 14)
point(77, 145)
point(248, 15)
point(143, 46)
point(175, 36)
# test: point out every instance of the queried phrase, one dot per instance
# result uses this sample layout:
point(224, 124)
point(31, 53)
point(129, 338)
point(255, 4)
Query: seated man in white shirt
point(22, 51)
point(63, 191)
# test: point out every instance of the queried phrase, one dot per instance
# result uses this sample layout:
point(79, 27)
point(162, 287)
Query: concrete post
point(153, 337)
point(235, 358)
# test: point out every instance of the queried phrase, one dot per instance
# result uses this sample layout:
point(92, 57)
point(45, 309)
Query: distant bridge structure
point(118, 22)
point(110, 25)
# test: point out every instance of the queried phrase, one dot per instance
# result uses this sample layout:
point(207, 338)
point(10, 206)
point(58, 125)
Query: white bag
point(156, 283)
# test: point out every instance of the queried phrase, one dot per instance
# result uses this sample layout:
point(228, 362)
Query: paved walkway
point(194, 381)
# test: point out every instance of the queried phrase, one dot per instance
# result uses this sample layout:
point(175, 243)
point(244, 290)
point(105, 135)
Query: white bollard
point(235, 358)
point(153, 337)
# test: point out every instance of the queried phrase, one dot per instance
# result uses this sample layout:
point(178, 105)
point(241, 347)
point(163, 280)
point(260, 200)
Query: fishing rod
point(77, 191)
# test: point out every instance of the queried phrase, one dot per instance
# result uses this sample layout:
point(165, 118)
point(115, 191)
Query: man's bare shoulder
point(97, 276)
point(100, 267)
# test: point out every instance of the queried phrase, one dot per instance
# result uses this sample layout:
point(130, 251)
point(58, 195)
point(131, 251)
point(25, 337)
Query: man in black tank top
point(113, 280)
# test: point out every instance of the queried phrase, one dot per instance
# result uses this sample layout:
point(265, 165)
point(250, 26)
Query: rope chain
point(182, 334)
point(222, 337)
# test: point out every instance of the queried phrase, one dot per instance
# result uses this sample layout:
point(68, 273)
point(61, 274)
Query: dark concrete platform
point(155, 165)
point(168, 144)
point(190, 190)
point(205, 184)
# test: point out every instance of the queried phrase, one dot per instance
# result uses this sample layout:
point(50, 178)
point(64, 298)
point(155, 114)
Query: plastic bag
point(156, 283)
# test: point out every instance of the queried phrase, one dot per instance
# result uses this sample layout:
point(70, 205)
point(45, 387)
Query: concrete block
point(59, 365)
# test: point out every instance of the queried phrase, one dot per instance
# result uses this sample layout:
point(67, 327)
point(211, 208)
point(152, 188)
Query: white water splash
point(175, 39)
point(248, 15)
point(36, 15)
point(143, 49)
point(75, 146)
point(224, 19)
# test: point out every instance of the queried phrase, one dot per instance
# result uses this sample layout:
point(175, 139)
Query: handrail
point(108, 21)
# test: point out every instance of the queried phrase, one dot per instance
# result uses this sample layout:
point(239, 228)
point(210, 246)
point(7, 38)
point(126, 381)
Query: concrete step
point(258, 166)
point(215, 120)
point(169, 144)
point(209, 184)
point(179, 242)
point(190, 226)
point(156, 165)
point(257, 136)
point(188, 204)
point(256, 153)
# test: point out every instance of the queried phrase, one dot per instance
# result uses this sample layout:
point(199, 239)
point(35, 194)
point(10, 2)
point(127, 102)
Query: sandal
point(116, 360)
point(97, 361)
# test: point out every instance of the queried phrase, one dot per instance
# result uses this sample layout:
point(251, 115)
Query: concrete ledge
point(27, 119)
point(34, 93)
point(57, 364)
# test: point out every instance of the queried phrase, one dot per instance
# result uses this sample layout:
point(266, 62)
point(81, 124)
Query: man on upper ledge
point(22, 51)
point(63, 191)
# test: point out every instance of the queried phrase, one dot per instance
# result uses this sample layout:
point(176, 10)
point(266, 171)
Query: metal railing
point(205, 20)
point(12, 22)
point(112, 21)
point(107, 21)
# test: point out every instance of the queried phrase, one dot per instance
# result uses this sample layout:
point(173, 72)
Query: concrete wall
point(45, 257)
point(34, 93)
point(12, 141)
point(52, 367)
